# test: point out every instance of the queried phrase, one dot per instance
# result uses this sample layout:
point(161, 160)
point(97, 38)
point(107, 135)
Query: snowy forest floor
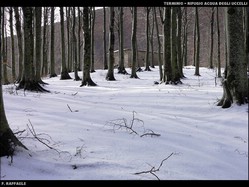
point(100, 133)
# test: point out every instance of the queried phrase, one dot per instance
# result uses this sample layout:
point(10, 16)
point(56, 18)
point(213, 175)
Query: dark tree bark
point(86, 80)
point(235, 83)
point(20, 43)
point(174, 52)
point(121, 67)
point(211, 66)
point(29, 81)
point(167, 72)
point(80, 42)
point(64, 71)
point(197, 43)
point(52, 60)
point(133, 43)
point(104, 40)
point(147, 62)
point(110, 73)
point(45, 43)
point(179, 43)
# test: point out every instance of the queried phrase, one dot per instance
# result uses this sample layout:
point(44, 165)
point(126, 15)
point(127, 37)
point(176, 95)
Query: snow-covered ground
point(82, 136)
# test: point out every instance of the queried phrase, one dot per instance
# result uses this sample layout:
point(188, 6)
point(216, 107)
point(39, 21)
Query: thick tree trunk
point(110, 73)
point(167, 72)
point(179, 43)
point(29, 81)
point(86, 80)
point(8, 140)
point(236, 83)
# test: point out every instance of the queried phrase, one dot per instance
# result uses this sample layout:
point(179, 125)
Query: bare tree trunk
point(4, 50)
point(92, 23)
point(147, 62)
point(8, 140)
point(20, 43)
point(167, 72)
point(197, 44)
point(121, 67)
point(110, 73)
point(29, 80)
point(159, 45)
point(235, 85)
point(86, 80)
point(133, 43)
point(218, 40)
point(194, 50)
point(173, 42)
point(76, 76)
point(13, 59)
point(64, 71)
point(38, 14)
point(179, 43)
point(79, 39)
point(45, 43)
point(152, 64)
point(104, 41)
point(69, 40)
point(211, 39)
point(185, 38)
point(52, 60)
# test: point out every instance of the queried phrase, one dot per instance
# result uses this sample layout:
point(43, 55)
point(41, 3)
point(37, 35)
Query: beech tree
point(64, 70)
point(134, 43)
point(86, 80)
point(29, 80)
point(8, 140)
point(13, 59)
point(235, 82)
point(20, 43)
point(121, 66)
point(110, 72)
point(52, 62)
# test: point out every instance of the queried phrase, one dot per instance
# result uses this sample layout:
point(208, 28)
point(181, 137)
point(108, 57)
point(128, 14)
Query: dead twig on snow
point(153, 169)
